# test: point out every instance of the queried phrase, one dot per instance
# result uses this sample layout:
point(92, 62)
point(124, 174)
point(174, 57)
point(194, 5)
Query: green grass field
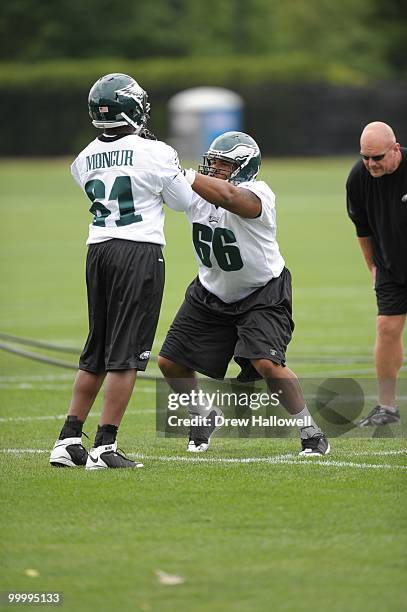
point(274, 533)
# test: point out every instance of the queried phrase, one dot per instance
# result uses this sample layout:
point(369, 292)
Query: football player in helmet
point(240, 303)
point(116, 100)
point(237, 148)
point(124, 266)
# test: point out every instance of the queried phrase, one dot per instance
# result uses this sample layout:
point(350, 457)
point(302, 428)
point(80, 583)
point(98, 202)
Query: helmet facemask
point(236, 148)
point(208, 167)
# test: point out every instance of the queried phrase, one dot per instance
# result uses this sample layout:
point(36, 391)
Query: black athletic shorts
point(391, 297)
point(206, 332)
point(125, 283)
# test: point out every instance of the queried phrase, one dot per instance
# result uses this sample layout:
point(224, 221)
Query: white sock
point(305, 423)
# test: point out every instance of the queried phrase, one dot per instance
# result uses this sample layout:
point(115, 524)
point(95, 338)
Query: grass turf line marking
point(288, 459)
point(336, 373)
point(22, 451)
point(61, 387)
point(373, 453)
point(54, 417)
point(279, 459)
point(24, 378)
point(36, 377)
point(380, 453)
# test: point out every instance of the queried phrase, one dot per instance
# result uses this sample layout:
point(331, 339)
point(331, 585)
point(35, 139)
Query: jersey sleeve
point(356, 207)
point(267, 198)
point(176, 191)
point(75, 172)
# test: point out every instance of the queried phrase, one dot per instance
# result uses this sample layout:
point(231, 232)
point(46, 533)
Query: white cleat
point(68, 452)
point(200, 435)
point(200, 448)
point(104, 457)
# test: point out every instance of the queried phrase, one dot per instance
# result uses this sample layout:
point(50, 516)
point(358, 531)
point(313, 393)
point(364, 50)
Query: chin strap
point(131, 122)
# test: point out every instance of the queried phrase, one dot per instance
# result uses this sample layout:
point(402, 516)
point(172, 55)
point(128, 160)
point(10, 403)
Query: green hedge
point(180, 73)
point(293, 106)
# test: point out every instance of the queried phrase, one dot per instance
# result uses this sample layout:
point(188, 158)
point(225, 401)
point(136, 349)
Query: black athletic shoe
point(68, 452)
point(380, 416)
point(200, 435)
point(103, 457)
point(315, 447)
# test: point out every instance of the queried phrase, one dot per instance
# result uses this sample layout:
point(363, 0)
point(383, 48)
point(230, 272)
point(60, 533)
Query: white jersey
point(127, 179)
point(236, 255)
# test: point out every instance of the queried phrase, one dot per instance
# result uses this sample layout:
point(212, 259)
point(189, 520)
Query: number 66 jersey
point(127, 178)
point(236, 255)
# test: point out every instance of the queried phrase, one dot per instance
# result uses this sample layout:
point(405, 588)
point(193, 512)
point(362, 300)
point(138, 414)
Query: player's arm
point(357, 213)
point(366, 245)
point(176, 190)
point(177, 193)
point(237, 200)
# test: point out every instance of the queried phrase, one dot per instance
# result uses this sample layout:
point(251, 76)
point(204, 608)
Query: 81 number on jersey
point(121, 193)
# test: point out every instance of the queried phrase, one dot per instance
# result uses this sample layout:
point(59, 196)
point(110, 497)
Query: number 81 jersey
point(235, 255)
point(127, 179)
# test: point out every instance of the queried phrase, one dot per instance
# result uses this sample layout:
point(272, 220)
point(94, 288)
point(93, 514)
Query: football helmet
point(237, 148)
point(117, 99)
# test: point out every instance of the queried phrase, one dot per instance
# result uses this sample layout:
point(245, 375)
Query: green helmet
point(238, 148)
point(117, 99)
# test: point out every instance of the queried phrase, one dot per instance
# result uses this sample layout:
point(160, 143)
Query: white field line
point(339, 373)
point(61, 387)
point(279, 459)
point(288, 459)
point(36, 377)
point(70, 377)
point(63, 416)
point(402, 451)
point(25, 379)
point(51, 417)
point(379, 453)
point(37, 387)
point(40, 378)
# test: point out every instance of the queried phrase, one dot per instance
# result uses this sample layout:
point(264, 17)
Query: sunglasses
point(375, 158)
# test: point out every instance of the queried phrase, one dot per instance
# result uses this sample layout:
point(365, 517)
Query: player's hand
point(373, 271)
point(189, 174)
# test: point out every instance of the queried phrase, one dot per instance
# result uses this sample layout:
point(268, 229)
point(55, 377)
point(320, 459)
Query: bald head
point(377, 134)
point(379, 149)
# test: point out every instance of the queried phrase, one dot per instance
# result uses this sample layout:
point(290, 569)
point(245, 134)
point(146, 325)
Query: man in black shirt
point(377, 204)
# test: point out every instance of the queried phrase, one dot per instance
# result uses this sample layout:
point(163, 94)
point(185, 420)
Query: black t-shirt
point(377, 209)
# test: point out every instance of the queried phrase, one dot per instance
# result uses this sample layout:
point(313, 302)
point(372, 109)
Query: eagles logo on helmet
point(237, 148)
point(117, 99)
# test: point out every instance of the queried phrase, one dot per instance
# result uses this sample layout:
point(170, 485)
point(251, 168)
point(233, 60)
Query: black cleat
point(103, 457)
point(68, 452)
point(316, 446)
point(380, 416)
point(200, 435)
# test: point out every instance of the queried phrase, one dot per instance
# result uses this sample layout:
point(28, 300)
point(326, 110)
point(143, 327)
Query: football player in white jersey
point(127, 175)
point(240, 303)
